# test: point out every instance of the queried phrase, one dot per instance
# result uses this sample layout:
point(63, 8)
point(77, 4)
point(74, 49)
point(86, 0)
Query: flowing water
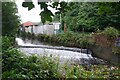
point(75, 55)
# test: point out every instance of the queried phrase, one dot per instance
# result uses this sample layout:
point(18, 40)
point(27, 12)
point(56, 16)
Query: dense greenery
point(15, 65)
point(111, 33)
point(10, 21)
point(108, 38)
point(90, 17)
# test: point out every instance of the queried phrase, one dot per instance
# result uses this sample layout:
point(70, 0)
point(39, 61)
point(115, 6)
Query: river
point(74, 55)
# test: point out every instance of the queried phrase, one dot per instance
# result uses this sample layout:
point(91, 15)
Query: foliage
point(116, 50)
point(87, 17)
point(69, 38)
point(10, 21)
point(30, 4)
point(93, 71)
point(81, 15)
point(107, 39)
point(111, 32)
point(28, 35)
point(0, 43)
point(46, 14)
point(110, 14)
point(7, 42)
point(18, 66)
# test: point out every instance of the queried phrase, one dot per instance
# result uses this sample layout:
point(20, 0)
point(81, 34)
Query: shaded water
point(64, 53)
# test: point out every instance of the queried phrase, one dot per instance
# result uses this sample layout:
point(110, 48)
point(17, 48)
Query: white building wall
point(57, 25)
point(40, 30)
point(34, 29)
point(50, 29)
point(26, 29)
point(29, 29)
point(45, 29)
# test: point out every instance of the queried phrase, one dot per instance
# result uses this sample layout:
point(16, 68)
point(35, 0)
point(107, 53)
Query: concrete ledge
point(86, 51)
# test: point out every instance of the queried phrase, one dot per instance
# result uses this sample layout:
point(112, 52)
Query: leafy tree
point(46, 14)
point(79, 16)
point(91, 16)
point(111, 11)
point(10, 20)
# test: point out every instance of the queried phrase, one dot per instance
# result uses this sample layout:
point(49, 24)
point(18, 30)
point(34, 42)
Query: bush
point(85, 41)
point(16, 65)
point(7, 42)
point(68, 38)
point(107, 38)
point(111, 32)
point(93, 71)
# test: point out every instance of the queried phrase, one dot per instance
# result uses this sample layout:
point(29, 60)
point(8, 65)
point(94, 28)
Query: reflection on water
point(77, 57)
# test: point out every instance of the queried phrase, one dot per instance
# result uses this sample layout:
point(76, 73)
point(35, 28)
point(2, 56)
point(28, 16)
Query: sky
point(25, 15)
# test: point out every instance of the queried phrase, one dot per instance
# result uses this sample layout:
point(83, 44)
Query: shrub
point(15, 65)
point(111, 32)
point(41, 37)
point(7, 42)
point(93, 71)
point(84, 40)
point(107, 38)
point(46, 38)
point(23, 34)
point(68, 38)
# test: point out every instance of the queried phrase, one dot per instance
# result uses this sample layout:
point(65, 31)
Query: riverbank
point(100, 44)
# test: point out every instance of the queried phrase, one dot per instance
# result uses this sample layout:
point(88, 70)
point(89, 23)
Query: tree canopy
point(10, 20)
point(46, 14)
point(91, 16)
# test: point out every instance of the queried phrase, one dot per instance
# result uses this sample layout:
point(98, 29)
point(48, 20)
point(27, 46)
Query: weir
point(76, 55)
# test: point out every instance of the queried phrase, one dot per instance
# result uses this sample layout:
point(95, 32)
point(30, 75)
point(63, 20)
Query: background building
point(39, 28)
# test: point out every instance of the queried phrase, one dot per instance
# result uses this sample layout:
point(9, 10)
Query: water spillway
point(79, 56)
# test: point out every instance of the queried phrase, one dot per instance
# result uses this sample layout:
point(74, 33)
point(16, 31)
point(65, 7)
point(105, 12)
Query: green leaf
point(55, 4)
point(46, 16)
point(43, 5)
point(57, 13)
point(30, 5)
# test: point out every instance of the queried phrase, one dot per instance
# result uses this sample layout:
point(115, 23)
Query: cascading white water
point(63, 54)
point(19, 41)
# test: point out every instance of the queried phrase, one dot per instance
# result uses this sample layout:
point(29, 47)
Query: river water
point(73, 55)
